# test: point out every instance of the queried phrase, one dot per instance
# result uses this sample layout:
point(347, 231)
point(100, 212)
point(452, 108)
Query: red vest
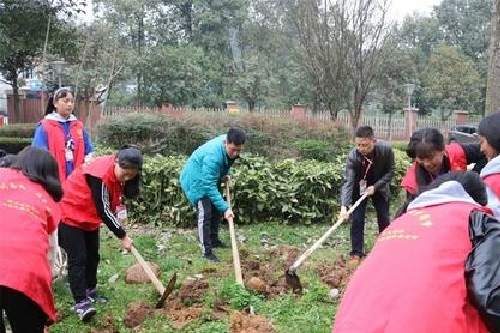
point(57, 143)
point(29, 215)
point(413, 280)
point(458, 162)
point(77, 205)
point(493, 182)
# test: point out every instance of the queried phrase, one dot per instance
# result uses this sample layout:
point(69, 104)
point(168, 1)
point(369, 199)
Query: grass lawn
point(177, 250)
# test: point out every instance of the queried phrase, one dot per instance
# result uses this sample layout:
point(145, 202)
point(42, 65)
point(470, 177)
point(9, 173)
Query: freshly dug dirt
point(192, 291)
point(266, 276)
point(181, 315)
point(137, 312)
point(243, 323)
point(336, 275)
point(107, 324)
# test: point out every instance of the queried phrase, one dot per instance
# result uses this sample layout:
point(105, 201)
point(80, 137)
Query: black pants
point(358, 221)
point(82, 248)
point(208, 224)
point(23, 314)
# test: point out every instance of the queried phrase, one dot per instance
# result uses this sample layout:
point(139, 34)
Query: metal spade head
point(168, 290)
point(293, 281)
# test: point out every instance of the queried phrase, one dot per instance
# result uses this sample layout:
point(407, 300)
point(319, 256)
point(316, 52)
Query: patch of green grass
point(312, 313)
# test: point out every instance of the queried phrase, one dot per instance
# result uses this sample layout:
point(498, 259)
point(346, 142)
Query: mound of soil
point(135, 273)
point(181, 315)
point(336, 275)
point(192, 291)
point(137, 312)
point(107, 325)
point(243, 323)
point(266, 276)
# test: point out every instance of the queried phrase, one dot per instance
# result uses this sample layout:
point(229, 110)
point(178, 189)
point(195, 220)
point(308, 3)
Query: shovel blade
point(293, 282)
point(167, 292)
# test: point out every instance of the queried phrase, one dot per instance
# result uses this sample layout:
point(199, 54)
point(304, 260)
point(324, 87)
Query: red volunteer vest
point(57, 143)
point(29, 215)
point(413, 280)
point(77, 205)
point(458, 162)
point(493, 182)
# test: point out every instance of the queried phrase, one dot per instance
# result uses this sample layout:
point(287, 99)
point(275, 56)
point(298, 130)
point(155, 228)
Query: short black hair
point(489, 129)
point(40, 167)
point(236, 136)
point(130, 157)
point(425, 142)
point(364, 132)
point(470, 181)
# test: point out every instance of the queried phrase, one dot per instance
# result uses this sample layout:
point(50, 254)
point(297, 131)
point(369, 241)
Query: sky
point(398, 10)
point(401, 8)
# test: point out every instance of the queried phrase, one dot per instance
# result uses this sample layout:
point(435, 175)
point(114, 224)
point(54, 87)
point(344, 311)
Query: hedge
point(14, 145)
point(274, 138)
point(288, 191)
point(18, 131)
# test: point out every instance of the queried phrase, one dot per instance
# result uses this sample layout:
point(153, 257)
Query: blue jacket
point(203, 172)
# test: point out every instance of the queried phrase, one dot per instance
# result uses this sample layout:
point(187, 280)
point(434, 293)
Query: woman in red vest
point(29, 190)
point(62, 134)
point(433, 158)
point(414, 280)
point(92, 195)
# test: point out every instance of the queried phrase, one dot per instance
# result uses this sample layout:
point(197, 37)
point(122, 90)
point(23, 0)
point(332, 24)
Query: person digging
point(369, 169)
point(200, 178)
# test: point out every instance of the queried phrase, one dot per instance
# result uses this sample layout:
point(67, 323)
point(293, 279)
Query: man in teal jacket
point(205, 169)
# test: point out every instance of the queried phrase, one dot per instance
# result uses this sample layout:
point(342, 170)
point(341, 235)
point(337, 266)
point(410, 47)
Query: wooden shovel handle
point(234, 246)
point(158, 285)
point(320, 241)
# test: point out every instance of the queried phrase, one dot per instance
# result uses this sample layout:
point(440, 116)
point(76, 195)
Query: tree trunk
point(493, 80)
point(333, 110)
point(15, 90)
point(251, 104)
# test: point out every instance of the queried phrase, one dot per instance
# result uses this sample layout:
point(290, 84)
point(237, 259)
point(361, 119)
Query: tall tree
point(23, 26)
point(450, 80)
point(493, 84)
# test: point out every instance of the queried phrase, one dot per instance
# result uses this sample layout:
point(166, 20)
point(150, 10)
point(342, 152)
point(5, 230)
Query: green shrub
point(400, 145)
point(274, 138)
point(315, 149)
point(18, 131)
point(289, 191)
point(14, 145)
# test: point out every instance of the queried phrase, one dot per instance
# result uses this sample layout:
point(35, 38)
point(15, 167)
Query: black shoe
point(212, 257)
point(218, 244)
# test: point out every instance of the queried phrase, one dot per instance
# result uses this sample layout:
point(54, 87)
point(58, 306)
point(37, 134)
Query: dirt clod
point(192, 291)
point(181, 315)
point(337, 275)
point(242, 323)
point(135, 274)
point(137, 313)
point(256, 284)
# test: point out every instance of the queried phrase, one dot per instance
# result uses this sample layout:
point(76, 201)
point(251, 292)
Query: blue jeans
point(358, 222)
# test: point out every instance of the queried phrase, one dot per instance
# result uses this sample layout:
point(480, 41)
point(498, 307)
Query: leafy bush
point(289, 191)
point(14, 145)
point(274, 138)
point(18, 131)
point(315, 149)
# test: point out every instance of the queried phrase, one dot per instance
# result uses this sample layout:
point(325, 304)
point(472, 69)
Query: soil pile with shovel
point(265, 275)
point(182, 306)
